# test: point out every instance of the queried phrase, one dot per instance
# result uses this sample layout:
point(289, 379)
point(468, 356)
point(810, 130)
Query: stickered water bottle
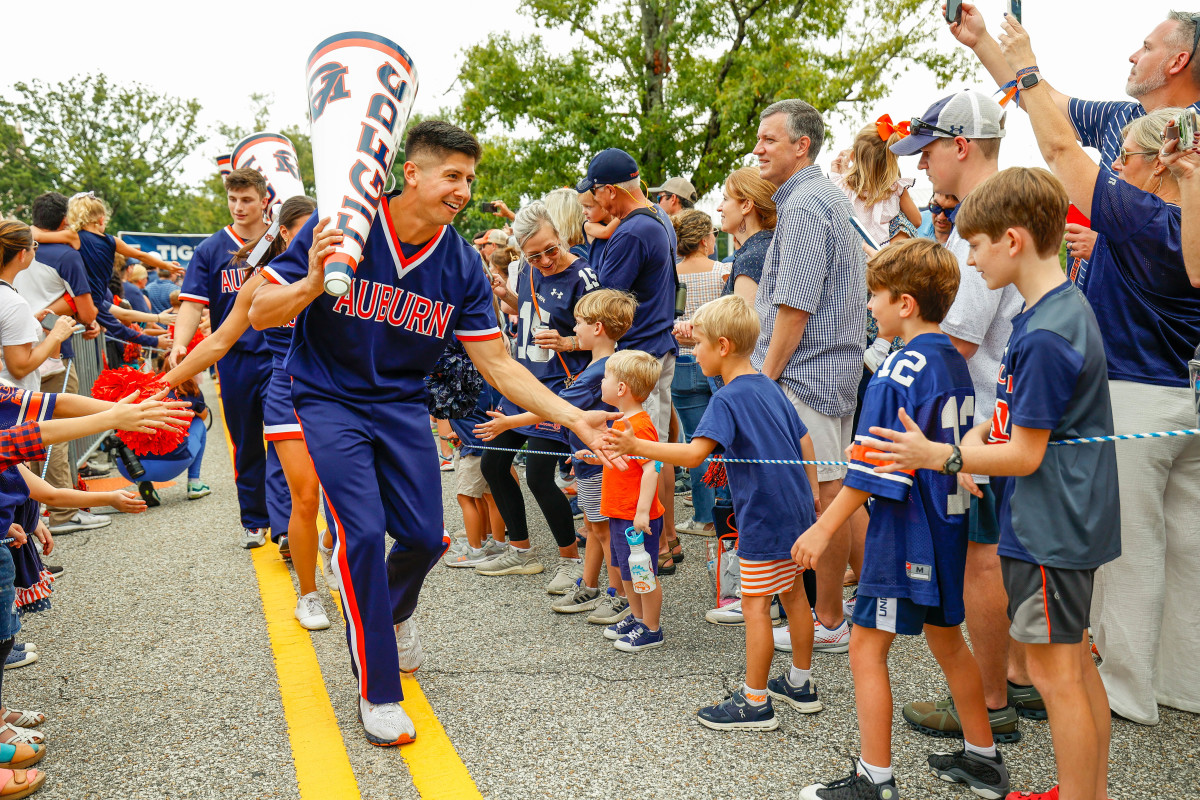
point(641, 567)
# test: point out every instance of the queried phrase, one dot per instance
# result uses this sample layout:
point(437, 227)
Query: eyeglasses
point(662, 196)
point(935, 209)
point(1195, 37)
point(549, 254)
point(1125, 154)
point(920, 127)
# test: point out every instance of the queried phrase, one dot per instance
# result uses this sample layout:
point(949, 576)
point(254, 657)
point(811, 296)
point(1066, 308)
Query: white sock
point(987, 752)
point(877, 775)
point(755, 697)
point(574, 560)
point(798, 677)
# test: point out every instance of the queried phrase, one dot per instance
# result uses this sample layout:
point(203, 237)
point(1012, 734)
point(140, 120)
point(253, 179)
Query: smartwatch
point(1030, 80)
point(954, 463)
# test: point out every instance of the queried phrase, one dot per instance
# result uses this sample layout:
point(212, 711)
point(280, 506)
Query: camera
point(487, 208)
point(129, 460)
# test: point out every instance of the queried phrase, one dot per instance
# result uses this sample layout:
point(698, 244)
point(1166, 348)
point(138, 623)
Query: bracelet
point(574, 343)
point(1023, 72)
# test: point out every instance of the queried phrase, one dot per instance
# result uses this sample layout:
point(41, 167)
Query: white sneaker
point(386, 724)
point(253, 537)
point(831, 641)
point(310, 613)
point(327, 570)
point(515, 561)
point(783, 639)
point(82, 521)
point(408, 646)
point(569, 572)
point(732, 613)
point(469, 557)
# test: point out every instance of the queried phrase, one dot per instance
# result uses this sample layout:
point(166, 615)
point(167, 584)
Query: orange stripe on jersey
point(859, 452)
point(480, 337)
point(34, 408)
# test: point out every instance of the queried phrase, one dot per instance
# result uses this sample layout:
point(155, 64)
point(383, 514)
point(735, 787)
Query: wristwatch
point(954, 463)
point(1030, 80)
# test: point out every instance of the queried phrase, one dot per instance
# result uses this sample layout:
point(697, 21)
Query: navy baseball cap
point(969, 114)
point(609, 166)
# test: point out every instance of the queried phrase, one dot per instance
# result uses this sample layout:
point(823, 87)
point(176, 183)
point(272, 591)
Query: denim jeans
point(161, 469)
point(690, 393)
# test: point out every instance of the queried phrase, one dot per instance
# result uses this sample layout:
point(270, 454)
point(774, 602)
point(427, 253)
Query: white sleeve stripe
point(898, 477)
point(483, 332)
point(199, 298)
point(275, 276)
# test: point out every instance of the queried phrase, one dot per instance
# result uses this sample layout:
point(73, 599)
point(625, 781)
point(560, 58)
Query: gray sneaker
point(581, 598)
point(408, 646)
point(611, 609)
point(569, 573)
point(494, 548)
point(253, 537)
point(514, 562)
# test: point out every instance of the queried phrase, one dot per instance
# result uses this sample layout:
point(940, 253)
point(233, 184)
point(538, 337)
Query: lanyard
point(533, 294)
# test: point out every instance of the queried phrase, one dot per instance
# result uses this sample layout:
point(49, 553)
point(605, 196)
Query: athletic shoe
point(310, 613)
point(55, 570)
point(82, 521)
point(1050, 795)
point(831, 641)
point(569, 573)
point(611, 609)
point(803, 698)
point(196, 490)
point(515, 562)
point(408, 646)
point(386, 724)
point(468, 557)
point(20, 658)
point(326, 568)
point(783, 639)
point(618, 629)
point(563, 481)
point(732, 614)
point(736, 713)
point(696, 528)
point(285, 551)
point(21, 647)
point(851, 787)
point(848, 604)
point(494, 548)
point(639, 639)
point(253, 537)
point(986, 777)
point(149, 494)
point(940, 720)
point(1027, 701)
point(580, 598)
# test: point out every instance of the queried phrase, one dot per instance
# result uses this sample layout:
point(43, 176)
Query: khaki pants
point(60, 474)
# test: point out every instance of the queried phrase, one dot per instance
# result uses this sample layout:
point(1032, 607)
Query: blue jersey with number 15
point(917, 539)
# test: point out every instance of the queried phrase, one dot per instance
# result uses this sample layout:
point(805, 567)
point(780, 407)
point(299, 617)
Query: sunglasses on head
point(920, 126)
point(1195, 37)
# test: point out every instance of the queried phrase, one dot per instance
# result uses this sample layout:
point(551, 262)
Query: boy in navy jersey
point(213, 279)
point(1059, 508)
point(916, 548)
point(751, 418)
point(358, 364)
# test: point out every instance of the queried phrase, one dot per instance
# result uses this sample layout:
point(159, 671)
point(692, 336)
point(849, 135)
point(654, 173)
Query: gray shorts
point(1047, 605)
point(658, 404)
point(830, 435)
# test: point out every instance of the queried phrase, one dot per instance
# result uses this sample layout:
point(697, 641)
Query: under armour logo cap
point(970, 114)
point(607, 167)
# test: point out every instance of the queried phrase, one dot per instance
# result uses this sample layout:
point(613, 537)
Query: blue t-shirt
point(596, 249)
point(464, 427)
point(136, 297)
point(117, 329)
point(916, 544)
point(556, 297)
point(1138, 285)
point(159, 294)
point(640, 258)
point(377, 342)
point(213, 279)
point(98, 251)
point(66, 261)
point(1067, 514)
point(584, 394)
point(752, 418)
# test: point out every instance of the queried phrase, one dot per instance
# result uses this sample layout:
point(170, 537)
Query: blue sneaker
point(576, 511)
point(617, 630)
point(802, 698)
point(639, 639)
point(20, 658)
point(736, 713)
point(21, 647)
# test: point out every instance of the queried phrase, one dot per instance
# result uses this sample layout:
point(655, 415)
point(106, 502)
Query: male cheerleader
point(357, 363)
point(213, 279)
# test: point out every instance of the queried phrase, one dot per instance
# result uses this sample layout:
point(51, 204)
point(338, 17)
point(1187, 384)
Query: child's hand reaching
point(498, 424)
point(621, 442)
point(42, 532)
point(126, 502)
point(17, 534)
point(586, 455)
point(149, 415)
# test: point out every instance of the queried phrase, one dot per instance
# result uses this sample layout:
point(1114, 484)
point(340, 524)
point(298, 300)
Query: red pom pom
point(133, 351)
point(113, 384)
point(197, 339)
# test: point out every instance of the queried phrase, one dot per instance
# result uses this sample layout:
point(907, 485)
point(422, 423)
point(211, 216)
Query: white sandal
point(26, 735)
point(27, 719)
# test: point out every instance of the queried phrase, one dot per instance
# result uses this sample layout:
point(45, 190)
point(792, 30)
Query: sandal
point(18, 783)
point(26, 735)
point(19, 755)
point(663, 567)
point(25, 719)
point(672, 544)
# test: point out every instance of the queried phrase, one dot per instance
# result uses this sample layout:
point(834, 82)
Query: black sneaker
point(851, 787)
point(987, 777)
point(149, 494)
point(55, 570)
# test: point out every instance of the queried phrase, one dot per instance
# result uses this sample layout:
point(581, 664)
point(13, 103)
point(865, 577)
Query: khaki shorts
point(468, 477)
point(830, 435)
point(658, 404)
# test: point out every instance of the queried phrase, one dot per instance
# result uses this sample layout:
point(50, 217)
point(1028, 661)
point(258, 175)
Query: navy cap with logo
point(609, 166)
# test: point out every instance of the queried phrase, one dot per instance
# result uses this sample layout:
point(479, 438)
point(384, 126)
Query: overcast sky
point(221, 51)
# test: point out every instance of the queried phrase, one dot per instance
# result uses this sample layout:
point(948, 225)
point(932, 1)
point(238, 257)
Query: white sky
point(184, 49)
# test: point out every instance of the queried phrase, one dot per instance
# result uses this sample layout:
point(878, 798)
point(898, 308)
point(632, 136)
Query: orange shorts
point(763, 578)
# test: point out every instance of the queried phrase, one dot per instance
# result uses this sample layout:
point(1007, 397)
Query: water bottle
point(641, 568)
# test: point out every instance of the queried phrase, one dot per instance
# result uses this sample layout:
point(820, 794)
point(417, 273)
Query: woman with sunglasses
point(1145, 620)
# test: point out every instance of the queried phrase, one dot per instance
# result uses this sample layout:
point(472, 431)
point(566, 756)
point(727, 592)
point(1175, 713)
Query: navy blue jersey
point(1067, 514)
point(18, 406)
point(213, 279)
point(640, 258)
point(98, 251)
point(117, 329)
point(752, 418)
point(556, 297)
point(584, 394)
point(68, 263)
point(378, 341)
point(917, 538)
point(464, 427)
point(136, 297)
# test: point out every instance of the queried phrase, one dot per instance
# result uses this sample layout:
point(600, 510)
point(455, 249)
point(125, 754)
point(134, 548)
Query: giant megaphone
point(274, 156)
point(223, 166)
point(361, 88)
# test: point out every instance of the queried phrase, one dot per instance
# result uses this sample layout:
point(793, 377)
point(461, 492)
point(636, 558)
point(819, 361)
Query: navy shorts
point(619, 545)
point(899, 615)
point(279, 415)
point(983, 521)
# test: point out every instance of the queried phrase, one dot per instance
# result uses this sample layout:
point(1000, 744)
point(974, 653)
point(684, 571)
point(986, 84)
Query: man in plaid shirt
point(812, 303)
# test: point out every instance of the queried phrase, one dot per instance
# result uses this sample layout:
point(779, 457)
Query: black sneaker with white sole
point(851, 787)
point(986, 777)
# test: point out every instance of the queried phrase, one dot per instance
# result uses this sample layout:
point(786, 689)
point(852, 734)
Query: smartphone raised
point(953, 10)
point(1186, 129)
point(49, 320)
point(487, 208)
point(1014, 9)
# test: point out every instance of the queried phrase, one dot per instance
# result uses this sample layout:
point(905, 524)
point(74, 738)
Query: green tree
point(125, 143)
point(680, 83)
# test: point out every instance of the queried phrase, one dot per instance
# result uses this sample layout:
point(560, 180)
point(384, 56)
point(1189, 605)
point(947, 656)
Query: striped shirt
point(815, 264)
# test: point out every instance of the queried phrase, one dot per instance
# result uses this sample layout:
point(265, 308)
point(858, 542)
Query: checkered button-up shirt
point(20, 444)
point(815, 263)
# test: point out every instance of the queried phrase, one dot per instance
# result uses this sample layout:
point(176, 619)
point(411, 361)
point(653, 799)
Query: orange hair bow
point(886, 128)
